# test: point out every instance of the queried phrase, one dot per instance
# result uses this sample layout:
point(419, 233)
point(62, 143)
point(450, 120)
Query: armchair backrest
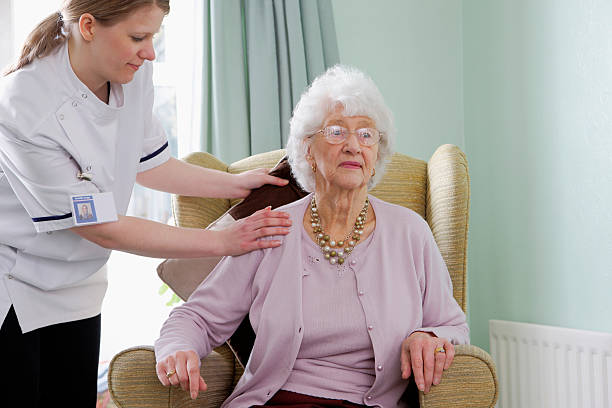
point(438, 190)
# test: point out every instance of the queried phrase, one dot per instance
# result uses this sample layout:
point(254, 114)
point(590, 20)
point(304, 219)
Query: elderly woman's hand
point(423, 356)
point(182, 368)
point(256, 178)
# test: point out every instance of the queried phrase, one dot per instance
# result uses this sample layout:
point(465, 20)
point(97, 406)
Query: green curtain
point(258, 58)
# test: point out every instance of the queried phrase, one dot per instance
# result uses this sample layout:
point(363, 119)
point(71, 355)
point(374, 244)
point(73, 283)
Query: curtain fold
point(258, 58)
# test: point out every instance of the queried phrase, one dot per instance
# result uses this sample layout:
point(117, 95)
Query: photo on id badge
point(84, 209)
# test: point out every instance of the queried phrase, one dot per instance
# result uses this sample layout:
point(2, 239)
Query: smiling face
point(120, 49)
point(344, 166)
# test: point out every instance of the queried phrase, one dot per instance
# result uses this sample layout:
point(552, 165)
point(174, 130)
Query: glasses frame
point(349, 132)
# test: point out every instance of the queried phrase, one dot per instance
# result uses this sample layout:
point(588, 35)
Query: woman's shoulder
point(394, 216)
point(30, 95)
point(297, 207)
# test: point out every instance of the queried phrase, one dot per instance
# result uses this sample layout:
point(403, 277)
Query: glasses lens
point(335, 134)
point(368, 136)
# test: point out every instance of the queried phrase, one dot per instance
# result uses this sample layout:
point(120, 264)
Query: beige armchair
point(437, 190)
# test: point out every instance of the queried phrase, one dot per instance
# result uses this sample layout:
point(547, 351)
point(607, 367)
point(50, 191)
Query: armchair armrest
point(133, 383)
point(470, 381)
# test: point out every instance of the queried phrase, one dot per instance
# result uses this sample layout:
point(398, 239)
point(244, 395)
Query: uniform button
point(379, 367)
point(74, 104)
point(84, 95)
point(61, 116)
point(361, 293)
point(10, 276)
point(370, 327)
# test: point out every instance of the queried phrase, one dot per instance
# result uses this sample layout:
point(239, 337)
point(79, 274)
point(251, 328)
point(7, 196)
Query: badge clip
point(85, 176)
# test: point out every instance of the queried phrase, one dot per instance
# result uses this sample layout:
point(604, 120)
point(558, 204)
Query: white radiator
point(551, 367)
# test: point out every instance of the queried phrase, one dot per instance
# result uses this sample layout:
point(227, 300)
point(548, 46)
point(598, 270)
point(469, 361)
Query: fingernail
point(194, 395)
point(422, 387)
point(436, 382)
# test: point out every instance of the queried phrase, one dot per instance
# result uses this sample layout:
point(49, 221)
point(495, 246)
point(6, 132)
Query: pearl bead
point(332, 243)
point(314, 224)
point(326, 256)
point(340, 243)
point(327, 248)
point(340, 261)
point(360, 232)
point(320, 236)
point(332, 261)
point(333, 253)
point(352, 243)
point(340, 253)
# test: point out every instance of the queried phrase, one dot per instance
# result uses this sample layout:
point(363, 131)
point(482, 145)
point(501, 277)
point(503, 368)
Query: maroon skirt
point(289, 399)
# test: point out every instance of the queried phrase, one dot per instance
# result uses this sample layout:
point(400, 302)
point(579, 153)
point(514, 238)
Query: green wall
point(538, 126)
point(412, 50)
point(525, 88)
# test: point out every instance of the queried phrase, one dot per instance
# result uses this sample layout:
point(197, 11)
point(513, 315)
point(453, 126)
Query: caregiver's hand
point(182, 368)
point(253, 179)
point(243, 235)
point(426, 356)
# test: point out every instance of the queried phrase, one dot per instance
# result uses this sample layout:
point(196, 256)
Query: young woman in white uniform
point(76, 132)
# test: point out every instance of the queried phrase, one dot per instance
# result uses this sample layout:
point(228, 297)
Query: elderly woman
point(358, 297)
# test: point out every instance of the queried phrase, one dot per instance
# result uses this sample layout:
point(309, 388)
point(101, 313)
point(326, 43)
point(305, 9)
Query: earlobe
point(87, 24)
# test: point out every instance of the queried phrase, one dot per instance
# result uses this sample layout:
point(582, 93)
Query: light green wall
point(412, 50)
point(529, 84)
point(538, 126)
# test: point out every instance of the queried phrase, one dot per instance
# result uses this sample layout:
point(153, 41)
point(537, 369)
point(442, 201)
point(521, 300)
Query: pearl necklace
point(337, 252)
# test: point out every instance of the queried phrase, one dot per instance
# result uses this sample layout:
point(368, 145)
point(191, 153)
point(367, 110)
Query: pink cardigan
point(406, 288)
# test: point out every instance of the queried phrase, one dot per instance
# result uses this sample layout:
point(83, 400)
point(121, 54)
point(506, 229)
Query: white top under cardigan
point(51, 128)
point(405, 284)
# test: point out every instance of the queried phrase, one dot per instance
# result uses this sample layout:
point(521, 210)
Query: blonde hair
point(355, 92)
point(51, 32)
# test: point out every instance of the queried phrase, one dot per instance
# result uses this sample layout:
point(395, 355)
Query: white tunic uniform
point(52, 127)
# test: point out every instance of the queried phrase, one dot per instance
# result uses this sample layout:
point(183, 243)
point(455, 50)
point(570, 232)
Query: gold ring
point(170, 373)
point(440, 350)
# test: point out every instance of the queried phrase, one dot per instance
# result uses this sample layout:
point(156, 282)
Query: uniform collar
point(81, 93)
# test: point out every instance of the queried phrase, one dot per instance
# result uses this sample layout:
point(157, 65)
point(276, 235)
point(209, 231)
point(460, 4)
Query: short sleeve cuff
point(155, 158)
point(53, 223)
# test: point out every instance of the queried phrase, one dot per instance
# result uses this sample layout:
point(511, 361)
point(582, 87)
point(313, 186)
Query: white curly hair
point(357, 95)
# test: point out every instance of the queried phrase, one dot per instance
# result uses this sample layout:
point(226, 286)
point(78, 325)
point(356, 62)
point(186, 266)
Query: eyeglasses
point(338, 134)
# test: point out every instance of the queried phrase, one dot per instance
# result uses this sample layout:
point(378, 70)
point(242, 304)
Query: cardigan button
point(369, 397)
point(380, 367)
point(361, 293)
point(370, 327)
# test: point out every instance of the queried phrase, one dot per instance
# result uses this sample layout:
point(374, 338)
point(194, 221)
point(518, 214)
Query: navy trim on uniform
point(52, 218)
point(155, 153)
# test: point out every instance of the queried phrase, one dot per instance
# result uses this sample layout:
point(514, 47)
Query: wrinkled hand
point(419, 357)
point(243, 235)
point(256, 178)
point(182, 368)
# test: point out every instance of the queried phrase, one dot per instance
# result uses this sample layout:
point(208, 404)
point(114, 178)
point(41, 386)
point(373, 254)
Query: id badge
point(93, 208)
